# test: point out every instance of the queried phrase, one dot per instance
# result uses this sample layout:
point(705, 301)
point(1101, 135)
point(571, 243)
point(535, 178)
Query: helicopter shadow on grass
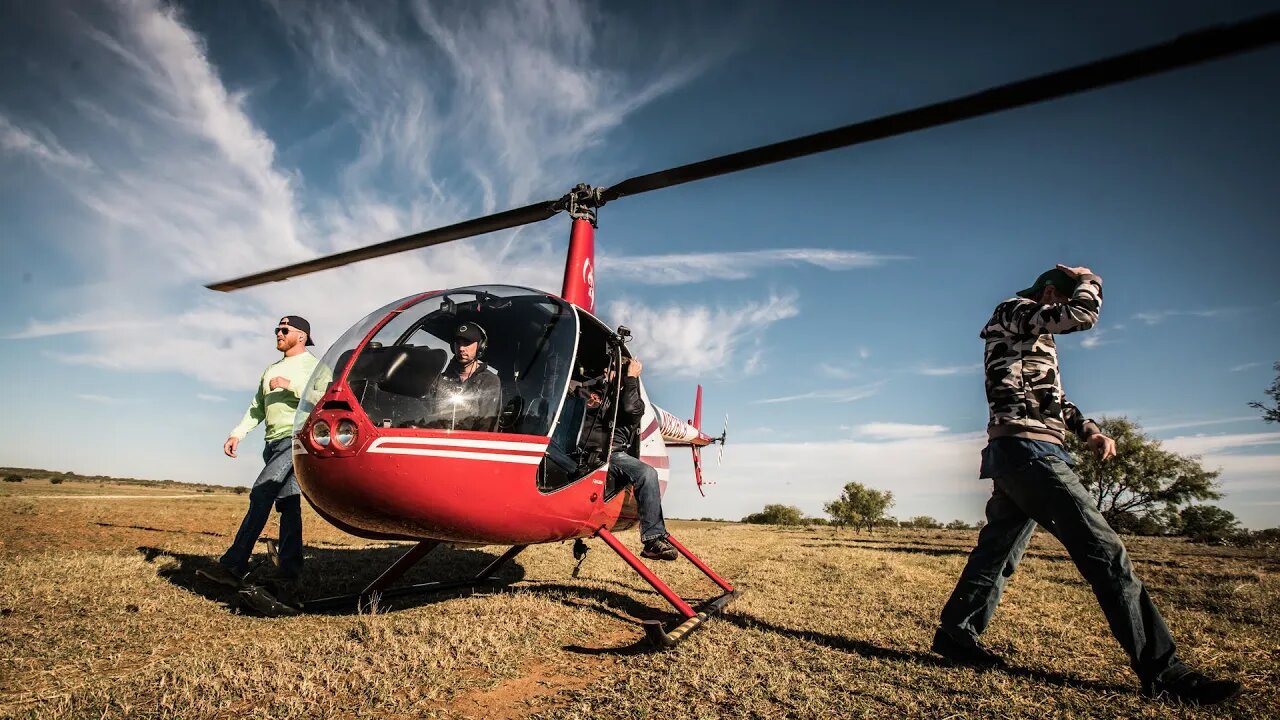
point(609, 603)
point(341, 571)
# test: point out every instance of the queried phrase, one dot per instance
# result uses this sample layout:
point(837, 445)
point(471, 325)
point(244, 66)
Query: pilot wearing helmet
point(469, 393)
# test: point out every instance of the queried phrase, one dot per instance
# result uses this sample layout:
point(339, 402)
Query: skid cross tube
point(400, 567)
point(654, 629)
point(378, 588)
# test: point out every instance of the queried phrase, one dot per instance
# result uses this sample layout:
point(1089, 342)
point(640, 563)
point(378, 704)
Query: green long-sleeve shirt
point(277, 407)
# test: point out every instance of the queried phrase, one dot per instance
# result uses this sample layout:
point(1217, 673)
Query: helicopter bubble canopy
point(399, 377)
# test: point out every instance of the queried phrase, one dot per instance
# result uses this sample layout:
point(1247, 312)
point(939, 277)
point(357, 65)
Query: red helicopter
point(381, 454)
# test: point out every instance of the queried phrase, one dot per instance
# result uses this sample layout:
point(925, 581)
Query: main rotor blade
point(479, 226)
point(1193, 48)
point(1197, 47)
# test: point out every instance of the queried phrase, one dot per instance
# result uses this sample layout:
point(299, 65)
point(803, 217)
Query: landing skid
point(654, 629)
point(380, 588)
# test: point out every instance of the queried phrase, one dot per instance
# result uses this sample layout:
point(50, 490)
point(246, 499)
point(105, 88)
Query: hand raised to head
point(1075, 272)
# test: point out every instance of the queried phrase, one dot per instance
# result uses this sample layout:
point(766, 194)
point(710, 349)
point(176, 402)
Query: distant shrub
point(13, 478)
point(922, 522)
point(55, 480)
point(959, 525)
point(241, 490)
point(1269, 538)
point(1208, 523)
point(776, 515)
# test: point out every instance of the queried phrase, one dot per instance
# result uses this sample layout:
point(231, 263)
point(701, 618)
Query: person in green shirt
point(276, 402)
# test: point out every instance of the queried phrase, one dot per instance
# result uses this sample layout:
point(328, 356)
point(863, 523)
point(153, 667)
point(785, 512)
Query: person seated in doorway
point(625, 465)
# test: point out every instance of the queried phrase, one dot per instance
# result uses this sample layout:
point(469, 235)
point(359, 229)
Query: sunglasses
point(283, 331)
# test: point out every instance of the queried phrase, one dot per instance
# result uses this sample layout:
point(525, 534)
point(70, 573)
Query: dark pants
point(278, 456)
point(623, 468)
point(1047, 491)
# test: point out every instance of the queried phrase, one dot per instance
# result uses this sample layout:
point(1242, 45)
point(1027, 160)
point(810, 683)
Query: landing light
point(320, 433)
point(346, 434)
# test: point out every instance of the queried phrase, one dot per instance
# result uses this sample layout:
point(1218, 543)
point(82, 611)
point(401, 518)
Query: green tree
point(1272, 413)
point(776, 515)
point(923, 522)
point(859, 506)
point(1208, 523)
point(1142, 487)
point(959, 525)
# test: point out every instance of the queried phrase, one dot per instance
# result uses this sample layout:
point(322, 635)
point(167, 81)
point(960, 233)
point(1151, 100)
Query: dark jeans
point(623, 468)
point(1047, 491)
point(278, 456)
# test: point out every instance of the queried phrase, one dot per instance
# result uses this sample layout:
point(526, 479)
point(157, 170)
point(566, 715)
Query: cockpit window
point(408, 376)
point(340, 351)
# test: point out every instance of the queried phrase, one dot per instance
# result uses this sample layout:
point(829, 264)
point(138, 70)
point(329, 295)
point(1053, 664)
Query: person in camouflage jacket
point(1034, 483)
point(1024, 387)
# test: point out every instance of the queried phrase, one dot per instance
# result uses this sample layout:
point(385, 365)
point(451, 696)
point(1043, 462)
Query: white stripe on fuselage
point(461, 442)
point(460, 455)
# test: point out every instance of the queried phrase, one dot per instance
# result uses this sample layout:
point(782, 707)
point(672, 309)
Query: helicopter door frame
point(577, 339)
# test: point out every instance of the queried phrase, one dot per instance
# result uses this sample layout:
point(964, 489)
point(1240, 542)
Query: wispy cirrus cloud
point(837, 395)
point(1155, 317)
point(1218, 444)
point(39, 145)
point(687, 340)
point(76, 325)
point(210, 398)
point(456, 111)
point(683, 268)
point(1246, 366)
point(837, 372)
point(898, 431)
point(1199, 423)
point(948, 370)
point(105, 399)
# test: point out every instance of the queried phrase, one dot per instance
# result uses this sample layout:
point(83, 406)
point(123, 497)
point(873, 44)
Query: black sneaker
point(220, 574)
point(659, 549)
point(1193, 689)
point(972, 654)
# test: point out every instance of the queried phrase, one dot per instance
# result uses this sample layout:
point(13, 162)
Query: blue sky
point(830, 306)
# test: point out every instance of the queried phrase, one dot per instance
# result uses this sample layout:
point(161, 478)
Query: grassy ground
point(101, 615)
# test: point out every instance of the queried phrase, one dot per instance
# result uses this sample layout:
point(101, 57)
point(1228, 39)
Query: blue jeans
point(623, 469)
point(273, 485)
point(1046, 491)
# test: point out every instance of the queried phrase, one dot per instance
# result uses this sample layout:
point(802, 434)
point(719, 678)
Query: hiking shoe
point(1193, 689)
point(971, 654)
point(222, 575)
point(659, 549)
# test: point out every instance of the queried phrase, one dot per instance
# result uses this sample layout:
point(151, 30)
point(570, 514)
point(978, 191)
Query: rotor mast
point(579, 286)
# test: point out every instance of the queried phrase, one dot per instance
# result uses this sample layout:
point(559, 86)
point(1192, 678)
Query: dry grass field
point(101, 615)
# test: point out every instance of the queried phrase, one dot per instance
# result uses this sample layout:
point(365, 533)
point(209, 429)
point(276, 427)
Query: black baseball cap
point(470, 332)
point(297, 321)
point(1055, 277)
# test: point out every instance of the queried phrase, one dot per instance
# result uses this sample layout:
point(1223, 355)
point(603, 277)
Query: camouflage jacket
point(1024, 388)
